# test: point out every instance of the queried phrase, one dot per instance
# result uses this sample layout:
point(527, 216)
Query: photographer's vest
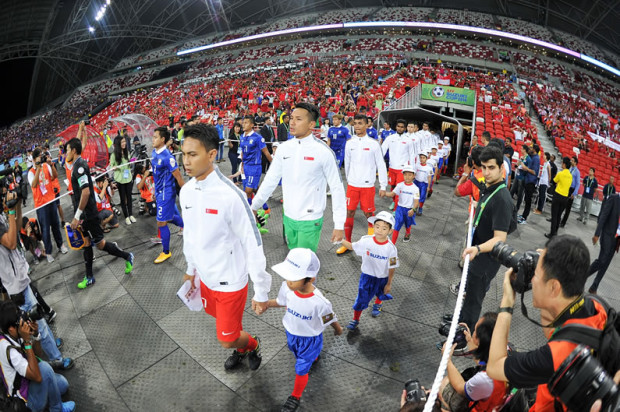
point(104, 200)
point(44, 191)
point(560, 350)
point(148, 189)
point(495, 400)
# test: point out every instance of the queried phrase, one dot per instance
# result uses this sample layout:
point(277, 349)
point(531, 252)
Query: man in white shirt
point(416, 139)
point(222, 246)
point(363, 159)
point(306, 166)
point(401, 153)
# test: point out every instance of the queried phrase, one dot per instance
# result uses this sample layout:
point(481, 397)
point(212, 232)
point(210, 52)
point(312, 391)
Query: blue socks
point(164, 232)
point(177, 220)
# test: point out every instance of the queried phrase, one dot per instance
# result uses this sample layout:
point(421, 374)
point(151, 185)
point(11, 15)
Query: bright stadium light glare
point(91, 29)
point(108, 2)
point(401, 24)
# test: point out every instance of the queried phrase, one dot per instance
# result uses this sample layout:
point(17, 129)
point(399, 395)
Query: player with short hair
point(399, 146)
point(252, 147)
point(337, 137)
point(165, 172)
point(87, 216)
point(363, 161)
point(222, 246)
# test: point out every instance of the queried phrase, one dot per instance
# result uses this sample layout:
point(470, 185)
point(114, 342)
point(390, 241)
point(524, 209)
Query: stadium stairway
point(546, 142)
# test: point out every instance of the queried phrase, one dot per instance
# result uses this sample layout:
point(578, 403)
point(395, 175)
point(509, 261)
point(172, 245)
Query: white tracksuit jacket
point(221, 242)
point(363, 159)
point(305, 166)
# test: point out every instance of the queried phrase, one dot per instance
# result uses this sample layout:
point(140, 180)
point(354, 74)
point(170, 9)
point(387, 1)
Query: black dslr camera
point(459, 336)
point(523, 264)
point(415, 393)
point(32, 315)
point(581, 379)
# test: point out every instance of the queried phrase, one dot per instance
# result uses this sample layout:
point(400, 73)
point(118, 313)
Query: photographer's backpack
point(605, 343)
point(11, 403)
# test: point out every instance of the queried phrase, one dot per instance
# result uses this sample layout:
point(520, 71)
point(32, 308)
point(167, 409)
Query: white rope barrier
point(455, 317)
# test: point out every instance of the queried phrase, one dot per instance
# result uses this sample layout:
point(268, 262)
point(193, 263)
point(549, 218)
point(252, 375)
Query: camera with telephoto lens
point(581, 380)
point(8, 182)
point(31, 315)
point(459, 336)
point(522, 263)
point(414, 390)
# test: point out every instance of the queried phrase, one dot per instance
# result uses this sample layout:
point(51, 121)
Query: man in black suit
point(607, 229)
point(267, 133)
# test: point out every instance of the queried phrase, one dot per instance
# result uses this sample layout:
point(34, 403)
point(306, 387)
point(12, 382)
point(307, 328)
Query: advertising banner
point(440, 93)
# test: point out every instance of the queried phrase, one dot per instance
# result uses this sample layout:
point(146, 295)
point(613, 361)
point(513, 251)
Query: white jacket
point(401, 150)
point(220, 241)
point(363, 159)
point(305, 166)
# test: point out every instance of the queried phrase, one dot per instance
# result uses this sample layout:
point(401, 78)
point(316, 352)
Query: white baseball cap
point(383, 215)
point(300, 263)
point(446, 138)
point(408, 168)
point(434, 147)
point(423, 154)
point(440, 143)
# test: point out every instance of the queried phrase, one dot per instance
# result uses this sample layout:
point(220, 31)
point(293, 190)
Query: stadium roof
point(55, 33)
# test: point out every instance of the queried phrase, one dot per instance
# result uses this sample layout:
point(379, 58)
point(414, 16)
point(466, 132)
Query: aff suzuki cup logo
point(437, 92)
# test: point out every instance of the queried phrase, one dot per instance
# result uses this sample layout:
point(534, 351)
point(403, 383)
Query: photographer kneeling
point(24, 377)
point(473, 390)
point(557, 290)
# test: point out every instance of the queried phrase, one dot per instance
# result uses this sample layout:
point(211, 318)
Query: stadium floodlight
point(91, 29)
point(409, 24)
point(108, 2)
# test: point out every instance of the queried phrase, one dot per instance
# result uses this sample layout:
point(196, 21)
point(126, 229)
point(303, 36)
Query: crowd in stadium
point(303, 127)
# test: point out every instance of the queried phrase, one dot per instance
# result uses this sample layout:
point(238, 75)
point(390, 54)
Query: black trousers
point(481, 272)
point(124, 192)
point(234, 163)
point(568, 207)
point(600, 265)
point(558, 204)
point(529, 192)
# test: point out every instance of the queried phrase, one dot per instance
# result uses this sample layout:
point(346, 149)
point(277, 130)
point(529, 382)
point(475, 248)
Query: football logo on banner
point(437, 91)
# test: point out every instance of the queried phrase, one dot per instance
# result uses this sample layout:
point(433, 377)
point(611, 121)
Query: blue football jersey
point(163, 165)
point(386, 133)
point(251, 147)
point(372, 133)
point(338, 136)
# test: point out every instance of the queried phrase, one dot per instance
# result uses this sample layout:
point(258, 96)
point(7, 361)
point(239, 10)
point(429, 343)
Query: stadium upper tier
point(394, 14)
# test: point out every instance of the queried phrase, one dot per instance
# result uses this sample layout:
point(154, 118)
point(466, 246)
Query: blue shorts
point(306, 349)
point(440, 163)
point(422, 186)
point(166, 206)
point(369, 287)
point(402, 217)
point(252, 176)
point(339, 151)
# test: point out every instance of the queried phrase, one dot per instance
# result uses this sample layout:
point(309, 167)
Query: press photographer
point(473, 389)
point(24, 377)
point(557, 284)
point(14, 277)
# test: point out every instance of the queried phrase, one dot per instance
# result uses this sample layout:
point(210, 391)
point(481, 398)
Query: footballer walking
point(222, 247)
